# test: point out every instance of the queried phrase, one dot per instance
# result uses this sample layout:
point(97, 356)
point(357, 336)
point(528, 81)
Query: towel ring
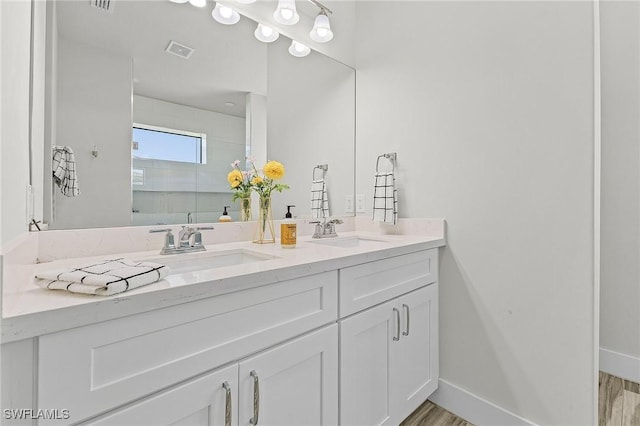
point(323, 167)
point(392, 159)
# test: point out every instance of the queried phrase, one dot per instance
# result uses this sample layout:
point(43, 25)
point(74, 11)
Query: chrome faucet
point(189, 219)
point(326, 228)
point(189, 240)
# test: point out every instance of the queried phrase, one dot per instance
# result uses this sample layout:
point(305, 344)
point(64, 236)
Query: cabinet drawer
point(92, 369)
point(365, 285)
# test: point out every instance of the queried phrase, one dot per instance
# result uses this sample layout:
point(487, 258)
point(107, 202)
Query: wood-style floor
point(618, 405)
point(619, 401)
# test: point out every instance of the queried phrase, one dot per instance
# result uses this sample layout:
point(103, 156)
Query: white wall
point(489, 106)
point(620, 277)
point(201, 189)
point(310, 121)
point(94, 108)
point(15, 18)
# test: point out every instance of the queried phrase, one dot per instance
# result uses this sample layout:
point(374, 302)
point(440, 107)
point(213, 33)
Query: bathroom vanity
point(333, 332)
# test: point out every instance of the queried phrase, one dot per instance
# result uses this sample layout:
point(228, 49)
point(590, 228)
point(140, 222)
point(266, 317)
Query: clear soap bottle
point(288, 230)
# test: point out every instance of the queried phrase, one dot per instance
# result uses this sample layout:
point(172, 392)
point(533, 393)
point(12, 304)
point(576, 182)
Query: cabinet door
point(199, 402)
point(295, 383)
point(414, 372)
point(366, 346)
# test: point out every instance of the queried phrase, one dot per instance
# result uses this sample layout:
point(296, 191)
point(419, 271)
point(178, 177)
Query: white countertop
point(34, 311)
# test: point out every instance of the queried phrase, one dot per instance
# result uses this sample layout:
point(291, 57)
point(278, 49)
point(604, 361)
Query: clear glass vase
point(245, 209)
point(264, 225)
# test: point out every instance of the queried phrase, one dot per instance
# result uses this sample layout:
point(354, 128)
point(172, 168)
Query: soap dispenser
point(225, 215)
point(288, 230)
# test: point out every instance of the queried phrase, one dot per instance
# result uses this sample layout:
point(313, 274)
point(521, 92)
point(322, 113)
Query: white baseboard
point(473, 408)
point(620, 365)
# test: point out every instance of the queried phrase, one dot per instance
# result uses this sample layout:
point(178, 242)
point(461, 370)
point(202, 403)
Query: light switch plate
point(359, 203)
point(348, 204)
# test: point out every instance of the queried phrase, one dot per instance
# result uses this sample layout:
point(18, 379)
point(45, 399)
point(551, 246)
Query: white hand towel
point(103, 278)
point(385, 198)
point(319, 199)
point(64, 171)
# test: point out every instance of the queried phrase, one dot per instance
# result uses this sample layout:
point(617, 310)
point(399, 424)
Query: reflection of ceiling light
point(321, 31)
point(298, 49)
point(198, 3)
point(266, 34)
point(286, 13)
point(225, 14)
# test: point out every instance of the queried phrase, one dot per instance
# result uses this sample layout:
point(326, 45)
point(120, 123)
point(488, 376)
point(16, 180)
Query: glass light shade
point(178, 1)
point(321, 31)
point(266, 34)
point(198, 3)
point(225, 15)
point(298, 49)
point(286, 13)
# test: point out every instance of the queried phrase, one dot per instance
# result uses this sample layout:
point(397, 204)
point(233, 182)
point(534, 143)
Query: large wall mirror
point(154, 125)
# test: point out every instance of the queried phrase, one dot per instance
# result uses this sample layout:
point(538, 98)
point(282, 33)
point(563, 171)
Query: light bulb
point(298, 49)
point(321, 31)
point(286, 12)
point(225, 14)
point(266, 34)
point(198, 3)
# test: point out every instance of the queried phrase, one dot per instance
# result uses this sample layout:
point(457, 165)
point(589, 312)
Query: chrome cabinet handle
point(227, 404)
point(405, 308)
point(397, 336)
point(256, 398)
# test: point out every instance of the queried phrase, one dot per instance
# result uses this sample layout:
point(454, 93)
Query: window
point(158, 143)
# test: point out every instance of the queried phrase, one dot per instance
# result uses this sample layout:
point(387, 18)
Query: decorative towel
point(104, 277)
point(64, 171)
point(319, 199)
point(385, 198)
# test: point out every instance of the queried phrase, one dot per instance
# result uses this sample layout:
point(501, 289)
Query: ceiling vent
point(178, 49)
point(106, 5)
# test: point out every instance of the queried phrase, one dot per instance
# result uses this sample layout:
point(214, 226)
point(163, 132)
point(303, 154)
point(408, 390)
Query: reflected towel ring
point(323, 167)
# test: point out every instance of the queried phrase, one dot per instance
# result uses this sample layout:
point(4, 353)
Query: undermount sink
point(350, 241)
point(190, 262)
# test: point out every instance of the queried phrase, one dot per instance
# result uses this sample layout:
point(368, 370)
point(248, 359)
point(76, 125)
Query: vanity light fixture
point(178, 1)
point(286, 13)
point(225, 14)
point(266, 33)
point(298, 49)
point(198, 3)
point(246, 1)
point(321, 31)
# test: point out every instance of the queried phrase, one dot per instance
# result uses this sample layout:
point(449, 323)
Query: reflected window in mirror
point(159, 143)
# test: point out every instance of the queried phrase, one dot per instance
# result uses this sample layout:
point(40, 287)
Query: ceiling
point(227, 62)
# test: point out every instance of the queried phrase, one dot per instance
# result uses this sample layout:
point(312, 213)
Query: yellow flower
point(273, 170)
point(235, 178)
point(256, 180)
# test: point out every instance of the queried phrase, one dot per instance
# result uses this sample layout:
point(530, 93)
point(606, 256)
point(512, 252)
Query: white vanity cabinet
point(354, 343)
point(97, 368)
point(389, 352)
point(294, 383)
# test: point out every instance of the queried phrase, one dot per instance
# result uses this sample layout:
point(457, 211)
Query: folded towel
point(64, 171)
point(104, 277)
point(319, 199)
point(385, 198)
